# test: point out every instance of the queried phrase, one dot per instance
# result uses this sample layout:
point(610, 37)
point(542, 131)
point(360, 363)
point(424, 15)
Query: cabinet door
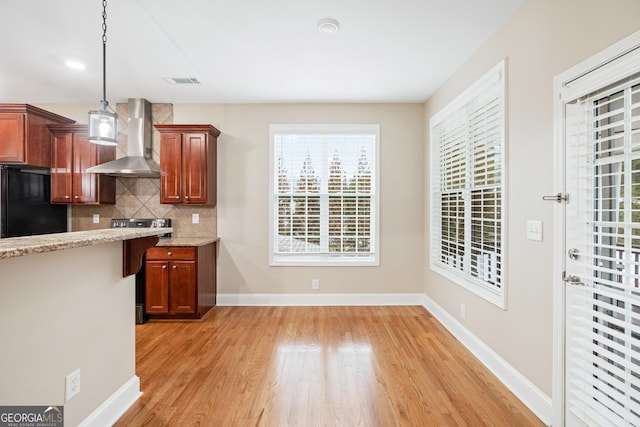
point(61, 165)
point(157, 287)
point(170, 168)
point(182, 287)
point(85, 155)
point(194, 168)
point(12, 149)
point(37, 141)
point(106, 185)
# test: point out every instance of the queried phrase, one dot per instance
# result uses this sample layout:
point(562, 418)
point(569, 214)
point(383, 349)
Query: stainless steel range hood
point(138, 162)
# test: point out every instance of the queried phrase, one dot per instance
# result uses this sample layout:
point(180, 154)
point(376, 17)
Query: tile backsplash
point(140, 197)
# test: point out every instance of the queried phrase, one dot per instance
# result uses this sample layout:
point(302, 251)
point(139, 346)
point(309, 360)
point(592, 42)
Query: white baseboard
point(116, 405)
point(539, 403)
point(317, 299)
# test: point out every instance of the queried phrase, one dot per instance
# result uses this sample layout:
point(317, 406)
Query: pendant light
point(103, 124)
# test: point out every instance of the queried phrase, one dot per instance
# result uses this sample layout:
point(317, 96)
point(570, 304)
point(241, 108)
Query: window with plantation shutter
point(324, 195)
point(467, 188)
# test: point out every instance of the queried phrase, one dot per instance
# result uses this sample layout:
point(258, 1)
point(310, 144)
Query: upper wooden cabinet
point(188, 164)
point(71, 155)
point(24, 137)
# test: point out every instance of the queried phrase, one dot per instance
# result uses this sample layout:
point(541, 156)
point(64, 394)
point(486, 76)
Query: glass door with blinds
point(602, 242)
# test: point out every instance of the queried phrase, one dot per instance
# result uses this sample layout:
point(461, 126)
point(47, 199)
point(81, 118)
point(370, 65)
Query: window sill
point(324, 262)
point(475, 287)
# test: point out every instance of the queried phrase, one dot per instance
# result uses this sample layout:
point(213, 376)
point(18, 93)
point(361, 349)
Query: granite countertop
point(19, 246)
point(187, 241)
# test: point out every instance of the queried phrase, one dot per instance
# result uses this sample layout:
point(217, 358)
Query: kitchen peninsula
point(75, 310)
point(20, 246)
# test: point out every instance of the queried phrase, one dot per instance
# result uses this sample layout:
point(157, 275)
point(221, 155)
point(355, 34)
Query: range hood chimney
point(138, 162)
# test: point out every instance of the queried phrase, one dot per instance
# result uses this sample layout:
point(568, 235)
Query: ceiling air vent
point(182, 80)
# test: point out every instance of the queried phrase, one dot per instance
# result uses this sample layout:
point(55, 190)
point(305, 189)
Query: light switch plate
point(534, 230)
point(96, 218)
point(195, 218)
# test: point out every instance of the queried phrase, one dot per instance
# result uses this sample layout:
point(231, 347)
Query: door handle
point(572, 279)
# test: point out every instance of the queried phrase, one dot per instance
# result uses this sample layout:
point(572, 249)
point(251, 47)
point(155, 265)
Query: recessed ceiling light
point(76, 65)
point(328, 26)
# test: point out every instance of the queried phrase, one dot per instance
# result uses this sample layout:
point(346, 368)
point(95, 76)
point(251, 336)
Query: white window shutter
point(603, 316)
point(467, 187)
point(324, 194)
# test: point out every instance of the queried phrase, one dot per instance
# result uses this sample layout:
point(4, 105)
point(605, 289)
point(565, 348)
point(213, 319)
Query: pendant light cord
point(105, 103)
point(103, 123)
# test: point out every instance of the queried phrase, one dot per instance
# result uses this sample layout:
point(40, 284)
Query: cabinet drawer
point(171, 252)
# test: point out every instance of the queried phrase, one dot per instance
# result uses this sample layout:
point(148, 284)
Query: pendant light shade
point(103, 124)
point(103, 127)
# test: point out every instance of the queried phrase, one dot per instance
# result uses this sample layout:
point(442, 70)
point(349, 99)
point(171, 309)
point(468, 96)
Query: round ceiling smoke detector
point(328, 26)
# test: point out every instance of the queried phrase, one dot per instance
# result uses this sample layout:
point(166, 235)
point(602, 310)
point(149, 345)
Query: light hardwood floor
point(315, 366)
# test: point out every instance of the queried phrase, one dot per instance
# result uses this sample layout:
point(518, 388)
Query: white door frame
point(559, 82)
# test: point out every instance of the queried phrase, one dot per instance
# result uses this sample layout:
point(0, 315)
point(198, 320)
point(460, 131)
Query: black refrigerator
point(25, 207)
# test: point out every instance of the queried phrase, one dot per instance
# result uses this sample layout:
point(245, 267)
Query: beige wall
point(543, 39)
point(243, 197)
point(60, 311)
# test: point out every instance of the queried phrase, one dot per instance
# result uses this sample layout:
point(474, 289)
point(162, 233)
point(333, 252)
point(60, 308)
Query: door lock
point(573, 253)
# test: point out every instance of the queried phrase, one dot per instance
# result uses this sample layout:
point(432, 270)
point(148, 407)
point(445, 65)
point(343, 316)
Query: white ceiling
point(241, 50)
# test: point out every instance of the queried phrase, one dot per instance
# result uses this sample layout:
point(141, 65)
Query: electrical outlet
point(195, 218)
point(96, 218)
point(315, 284)
point(72, 385)
point(463, 311)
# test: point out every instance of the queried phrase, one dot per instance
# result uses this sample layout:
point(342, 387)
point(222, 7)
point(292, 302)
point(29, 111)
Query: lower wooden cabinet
point(180, 281)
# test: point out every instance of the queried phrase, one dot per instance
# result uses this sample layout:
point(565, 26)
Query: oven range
point(140, 276)
point(142, 223)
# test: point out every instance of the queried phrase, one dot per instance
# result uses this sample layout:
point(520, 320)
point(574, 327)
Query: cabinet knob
point(186, 197)
point(174, 267)
point(67, 197)
point(76, 197)
point(169, 253)
point(164, 267)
